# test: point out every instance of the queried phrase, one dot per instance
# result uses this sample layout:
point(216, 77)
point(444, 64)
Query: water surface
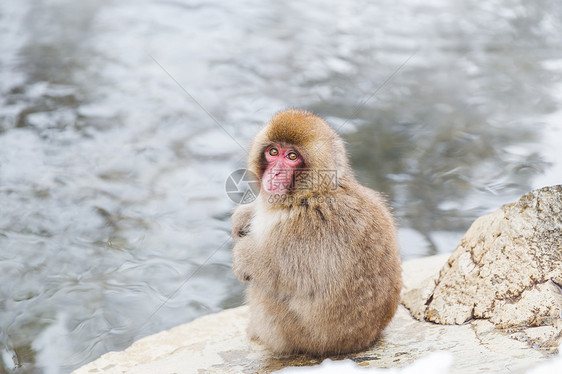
point(121, 120)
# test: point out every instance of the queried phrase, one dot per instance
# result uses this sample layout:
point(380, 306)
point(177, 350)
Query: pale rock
point(507, 269)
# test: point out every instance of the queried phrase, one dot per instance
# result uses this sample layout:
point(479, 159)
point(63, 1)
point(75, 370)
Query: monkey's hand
point(241, 221)
point(241, 259)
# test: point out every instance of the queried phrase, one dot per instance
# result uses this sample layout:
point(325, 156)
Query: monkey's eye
point(273, 151)
point(292, 156)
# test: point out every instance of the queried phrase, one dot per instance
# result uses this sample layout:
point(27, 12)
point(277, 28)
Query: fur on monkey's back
point(337, 283)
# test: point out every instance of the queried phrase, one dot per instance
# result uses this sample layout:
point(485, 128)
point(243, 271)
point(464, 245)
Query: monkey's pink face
point(280, 169)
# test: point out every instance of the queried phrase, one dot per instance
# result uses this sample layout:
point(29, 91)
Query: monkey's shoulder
point(353, 211)
point(360, 199)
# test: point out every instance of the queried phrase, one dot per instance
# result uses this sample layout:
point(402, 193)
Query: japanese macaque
point(318, 249)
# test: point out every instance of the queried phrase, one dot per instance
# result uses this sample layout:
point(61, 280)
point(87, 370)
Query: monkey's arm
point(243, 258)
point(243, 243)
point(241, 218)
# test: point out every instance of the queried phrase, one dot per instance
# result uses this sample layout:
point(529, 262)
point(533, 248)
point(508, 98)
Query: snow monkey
point(318, 249)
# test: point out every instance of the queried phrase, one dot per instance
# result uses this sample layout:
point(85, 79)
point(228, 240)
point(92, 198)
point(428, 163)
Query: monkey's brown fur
point(323, 263)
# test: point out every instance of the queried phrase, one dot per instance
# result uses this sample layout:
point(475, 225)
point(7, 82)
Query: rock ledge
point(507, 269)
point(496, 304)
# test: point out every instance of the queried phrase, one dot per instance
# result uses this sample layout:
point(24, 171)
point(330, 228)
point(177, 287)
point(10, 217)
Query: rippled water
point(121, 120)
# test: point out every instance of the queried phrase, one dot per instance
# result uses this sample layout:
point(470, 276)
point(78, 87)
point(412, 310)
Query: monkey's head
point(298, 154)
